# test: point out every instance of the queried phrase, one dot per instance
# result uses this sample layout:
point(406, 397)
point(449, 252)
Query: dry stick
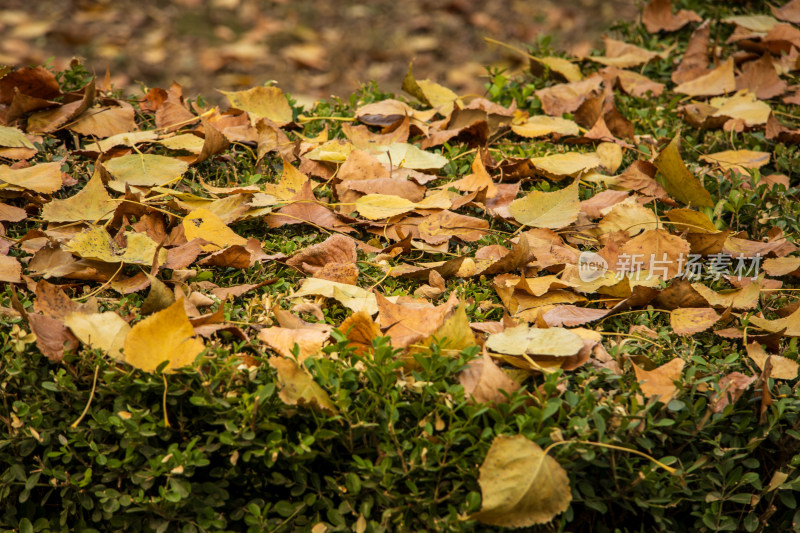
point(91, 396)
point(103, 286)
point(164, 400)
point(613, 447)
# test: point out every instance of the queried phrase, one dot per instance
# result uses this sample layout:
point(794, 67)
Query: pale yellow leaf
point(521, 486)
point(552, 210)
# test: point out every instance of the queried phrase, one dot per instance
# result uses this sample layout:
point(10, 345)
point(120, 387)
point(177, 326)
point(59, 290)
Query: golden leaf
point(262, 102)
point(92, 204)
point(164, 336)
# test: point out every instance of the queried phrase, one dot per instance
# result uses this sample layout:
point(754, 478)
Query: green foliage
point(403, 451)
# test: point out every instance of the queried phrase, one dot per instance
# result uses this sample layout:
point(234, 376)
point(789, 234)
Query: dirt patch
point(311, 48)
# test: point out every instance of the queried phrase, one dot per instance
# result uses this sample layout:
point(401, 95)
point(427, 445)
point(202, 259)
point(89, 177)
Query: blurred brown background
point(313, 48)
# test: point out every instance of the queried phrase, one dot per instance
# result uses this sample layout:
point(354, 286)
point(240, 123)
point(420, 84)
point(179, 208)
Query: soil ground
point(311, 48)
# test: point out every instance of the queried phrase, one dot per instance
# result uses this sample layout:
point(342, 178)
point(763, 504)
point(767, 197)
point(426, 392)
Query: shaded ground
point(311, 48)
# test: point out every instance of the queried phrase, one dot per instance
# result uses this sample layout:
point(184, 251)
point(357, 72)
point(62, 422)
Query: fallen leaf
point(782, 368)
point(296, 387)
point(10, 269)
point(484, 382)
point(43, 177)
point(203, 224)
point(790, 325)
point(283, 341)
point(354, 298)
point(541, 125)
point(660, 382)
point(91, 204)
point(552, 210)
point(567, 97)
point(691, 320)
point(521, 485)
point(570, 164)
point(718, 81)
point(522, 339)
point(143, 170)
point(100, 331)
point(262, 102)
point(658, 16)
point(677, 180)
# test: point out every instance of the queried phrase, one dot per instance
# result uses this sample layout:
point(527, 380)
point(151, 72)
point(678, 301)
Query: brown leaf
point(10, 269)
point(484, 382)
point(761, 78)
point(731, 388)
point(567, 97)
point(36, 82)
point(52, 301)
point(406, 324)
point(660, 382)
point(52, 337)
point(658, 16)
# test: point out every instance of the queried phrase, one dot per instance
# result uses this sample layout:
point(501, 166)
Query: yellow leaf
point(541, 125)
point(95, 243)
point(164, 336)
point(629, 216)
point(203, 224)
point(610, 155)
point(262, 102)
point(691, 320)
point(552, 210)
point(791, 323)
point(44, 177)
point(676, 178)
point(405, 155)
point(718, 81)
point(691, 221)
point(435, 95)
point(104, 331)
point(744, 298)
point(298, 388)
point(92, 204)
point(187, 141)
point(290, 184)
point(131, 138)
point(520, 485)
point(143, 170)
point(335, 151)
point(782, 368)
point(354, 298)
point(523, 339)
point(754, 23)
point(740, 160)
point(14, 138)
point(283, 340)
point(569, 164)
point(744, 106)
point(378, 206)
point(455, 331)
point(660, 382)
point(569, 70)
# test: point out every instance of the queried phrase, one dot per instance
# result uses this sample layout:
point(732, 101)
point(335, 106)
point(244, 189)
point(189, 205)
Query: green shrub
point(402, 455)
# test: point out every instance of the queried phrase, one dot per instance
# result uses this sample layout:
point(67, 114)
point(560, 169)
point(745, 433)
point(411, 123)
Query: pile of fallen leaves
point(132, 224)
